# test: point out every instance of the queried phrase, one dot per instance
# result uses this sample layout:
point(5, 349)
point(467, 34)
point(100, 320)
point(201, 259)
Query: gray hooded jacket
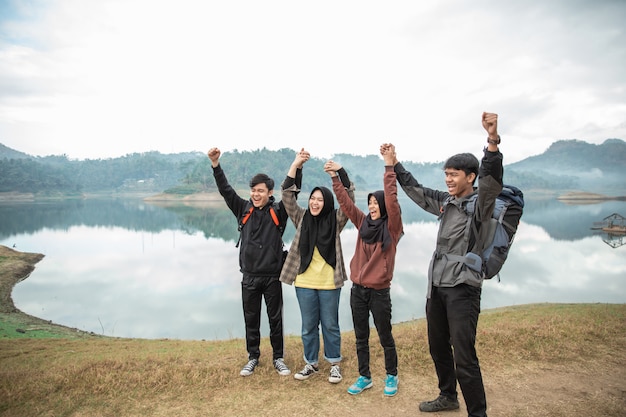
point(451, 237)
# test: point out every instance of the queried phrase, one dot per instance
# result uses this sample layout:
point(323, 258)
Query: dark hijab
point(373, 231)
point(319, 231)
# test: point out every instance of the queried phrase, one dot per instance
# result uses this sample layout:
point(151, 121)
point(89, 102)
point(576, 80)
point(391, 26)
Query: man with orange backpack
point(262, 222)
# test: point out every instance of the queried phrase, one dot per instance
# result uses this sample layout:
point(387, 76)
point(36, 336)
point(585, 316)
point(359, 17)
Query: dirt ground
point(561, 391)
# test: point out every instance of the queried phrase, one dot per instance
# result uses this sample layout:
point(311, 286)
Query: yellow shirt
point(318, 276)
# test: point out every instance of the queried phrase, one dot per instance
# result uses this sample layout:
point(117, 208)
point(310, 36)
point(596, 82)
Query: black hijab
point(373, 231)
point(319, 231)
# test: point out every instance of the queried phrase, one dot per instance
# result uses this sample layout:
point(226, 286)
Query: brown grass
point(546, 360)
point(540, 360)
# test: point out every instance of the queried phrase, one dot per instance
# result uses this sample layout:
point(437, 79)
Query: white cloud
point(98, 79)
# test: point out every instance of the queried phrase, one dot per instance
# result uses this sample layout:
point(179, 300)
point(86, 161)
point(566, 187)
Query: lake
point(124, 268)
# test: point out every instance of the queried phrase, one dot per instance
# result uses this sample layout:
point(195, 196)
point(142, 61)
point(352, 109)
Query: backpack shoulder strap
point(243, 221)
point(246, 216)
point(499, 211)
point(274, 216)
point(470, 228)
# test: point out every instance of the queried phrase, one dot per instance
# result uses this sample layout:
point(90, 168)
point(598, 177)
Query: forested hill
point(595, 168)
point(8, 153)
point(566, 165)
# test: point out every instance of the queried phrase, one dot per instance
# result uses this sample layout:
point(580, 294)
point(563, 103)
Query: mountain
point(8, 153)
point(576, 156)
point(579, 165)
point(566, 165)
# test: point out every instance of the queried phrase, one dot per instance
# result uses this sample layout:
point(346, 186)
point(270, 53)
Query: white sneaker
point(335, 374)
point(281, 368)
point(306, 372)
point(248, 368)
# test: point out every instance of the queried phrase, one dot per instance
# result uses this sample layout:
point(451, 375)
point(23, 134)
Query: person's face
point(260, 195)
point(316, 203)
point(459, 184)
point(372, 206)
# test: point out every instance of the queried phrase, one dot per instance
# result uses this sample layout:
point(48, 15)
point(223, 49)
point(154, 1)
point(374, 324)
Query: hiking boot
point(306, 372)
point(361, 384)
point(441, 403)
point(281, 368)
point(248, 369)
point(391, 385)
point(335, 374)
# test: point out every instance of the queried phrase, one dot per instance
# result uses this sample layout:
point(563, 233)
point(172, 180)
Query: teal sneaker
point(361, 384)
point(391, 385)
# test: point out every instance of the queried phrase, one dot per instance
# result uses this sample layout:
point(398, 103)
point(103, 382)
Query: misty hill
point(8, 153)
point(591, 167)
point(566, 165)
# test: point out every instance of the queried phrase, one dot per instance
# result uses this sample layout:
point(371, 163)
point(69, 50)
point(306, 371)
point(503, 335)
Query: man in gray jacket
point(454, 288)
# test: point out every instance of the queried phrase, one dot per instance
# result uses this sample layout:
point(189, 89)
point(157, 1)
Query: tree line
point(566, 165)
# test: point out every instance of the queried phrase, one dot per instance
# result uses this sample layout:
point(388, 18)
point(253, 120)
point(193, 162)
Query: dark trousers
point(378, 302)
point(452, 316)
point(252, 290)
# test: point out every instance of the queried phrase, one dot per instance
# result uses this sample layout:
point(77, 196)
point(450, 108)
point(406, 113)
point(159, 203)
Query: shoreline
point(587, 197)
point(15, 267)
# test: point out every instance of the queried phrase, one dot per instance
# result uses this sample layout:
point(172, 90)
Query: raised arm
point(291, 186)
point(490, 170)
point(214, 156)
point(234, 202)
point(490, 123)
point(392, 204)
point(301, 157)
point(344, 190)
point(427, 198)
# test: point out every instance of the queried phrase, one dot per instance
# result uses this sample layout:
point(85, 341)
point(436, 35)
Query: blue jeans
point(320, 306)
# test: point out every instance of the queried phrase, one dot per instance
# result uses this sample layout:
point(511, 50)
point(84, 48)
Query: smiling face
point(374, 208)
point(316, 203)
point(458, 182)
point(260, 195)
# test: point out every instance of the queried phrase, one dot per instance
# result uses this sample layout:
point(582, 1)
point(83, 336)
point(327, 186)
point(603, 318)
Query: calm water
point(125, 268)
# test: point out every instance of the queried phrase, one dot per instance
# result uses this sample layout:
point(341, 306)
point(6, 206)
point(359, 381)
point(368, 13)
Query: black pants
point(362, 301)
point(252, 290)
point(452, 316)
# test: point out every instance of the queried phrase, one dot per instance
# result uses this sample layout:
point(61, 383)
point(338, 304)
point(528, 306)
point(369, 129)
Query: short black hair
point(465, 162)
point(262, 178)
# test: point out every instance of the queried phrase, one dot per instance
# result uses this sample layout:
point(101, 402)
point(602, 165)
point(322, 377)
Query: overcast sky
point(99, 78)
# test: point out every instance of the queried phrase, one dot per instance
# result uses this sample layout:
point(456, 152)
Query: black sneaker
point(248, 368)
point(306, 372)
point(441, 403)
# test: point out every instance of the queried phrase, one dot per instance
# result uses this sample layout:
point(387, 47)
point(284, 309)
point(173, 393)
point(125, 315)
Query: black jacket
point(261, 244)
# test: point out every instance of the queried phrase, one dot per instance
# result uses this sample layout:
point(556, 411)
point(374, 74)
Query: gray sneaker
point(248, 368)
point(441, 403)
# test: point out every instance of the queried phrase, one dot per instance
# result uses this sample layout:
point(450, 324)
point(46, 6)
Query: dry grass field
point(545, 360)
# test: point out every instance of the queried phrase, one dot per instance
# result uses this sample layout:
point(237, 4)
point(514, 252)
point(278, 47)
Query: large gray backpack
point(499, 238)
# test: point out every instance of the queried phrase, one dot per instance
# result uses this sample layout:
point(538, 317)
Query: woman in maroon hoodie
point(371, 270)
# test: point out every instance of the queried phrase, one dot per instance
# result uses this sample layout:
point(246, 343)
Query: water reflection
point(124, 268)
